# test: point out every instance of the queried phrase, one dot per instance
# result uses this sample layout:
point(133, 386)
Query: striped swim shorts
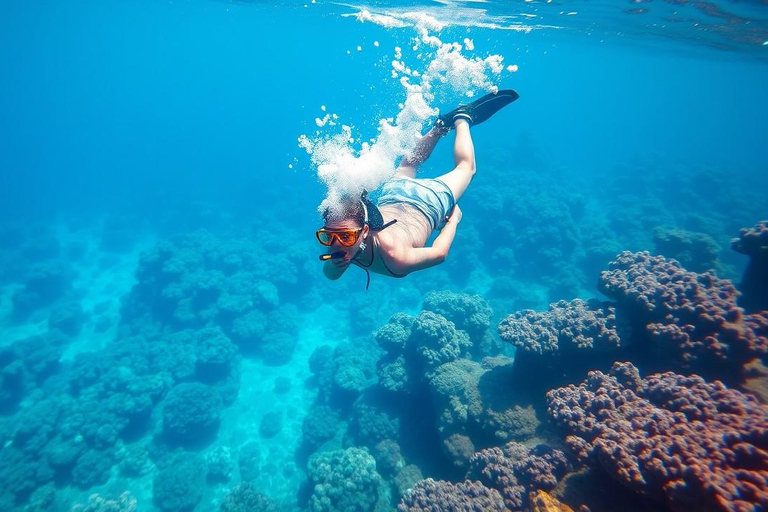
point(431, 197)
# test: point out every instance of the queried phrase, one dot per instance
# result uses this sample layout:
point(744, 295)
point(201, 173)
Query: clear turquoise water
point(124, 125)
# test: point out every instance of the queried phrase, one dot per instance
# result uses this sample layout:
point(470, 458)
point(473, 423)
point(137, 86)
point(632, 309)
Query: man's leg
point(464, 156)
point(421, 152)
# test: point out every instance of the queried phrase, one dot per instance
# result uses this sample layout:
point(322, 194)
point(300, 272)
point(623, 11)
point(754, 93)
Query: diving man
point(390, 238)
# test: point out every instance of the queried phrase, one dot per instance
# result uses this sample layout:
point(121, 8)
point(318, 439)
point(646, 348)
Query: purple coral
point(435, 496)
point(693, 316)
point(699, 445)
point(564, 327)
point(515, 471)
point(753, 242)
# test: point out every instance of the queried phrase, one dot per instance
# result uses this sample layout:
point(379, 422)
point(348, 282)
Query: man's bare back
point(384, 254)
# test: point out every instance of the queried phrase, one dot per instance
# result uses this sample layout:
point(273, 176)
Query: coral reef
point(45, 283)
point(695, 251)
point(515, 471)
point(96, 503)
point(435, 496)
point(566, 327)
point(320, 425)
point(245, 498)
point(694, 318)
point(343, 481)
point(469, 313)
point(753, 242)
point(696, 444)
point(191, 414)
point(467, 402)
point(179, 486)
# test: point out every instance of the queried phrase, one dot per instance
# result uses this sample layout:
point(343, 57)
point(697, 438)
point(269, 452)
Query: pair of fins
point(479, 110)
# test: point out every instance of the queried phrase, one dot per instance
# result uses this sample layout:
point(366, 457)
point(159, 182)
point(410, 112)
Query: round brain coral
point(470, 313)
point(191, 414)
point(437, 340)
point(179, 486)
point(344, 481)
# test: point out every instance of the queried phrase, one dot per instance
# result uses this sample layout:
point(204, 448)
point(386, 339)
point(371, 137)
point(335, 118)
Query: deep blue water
point(157, 220)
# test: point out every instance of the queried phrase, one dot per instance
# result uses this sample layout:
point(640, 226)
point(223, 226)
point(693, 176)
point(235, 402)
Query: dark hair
point(349, 207)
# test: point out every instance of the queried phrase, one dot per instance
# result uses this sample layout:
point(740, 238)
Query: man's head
point(345, 228)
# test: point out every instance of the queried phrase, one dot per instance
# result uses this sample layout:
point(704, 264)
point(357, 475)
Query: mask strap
point(365, 212)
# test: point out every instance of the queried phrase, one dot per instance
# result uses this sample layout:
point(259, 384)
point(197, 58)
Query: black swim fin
point(479, 110)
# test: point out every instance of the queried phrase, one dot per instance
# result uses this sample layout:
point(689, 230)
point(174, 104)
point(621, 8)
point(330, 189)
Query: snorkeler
point(390, 238)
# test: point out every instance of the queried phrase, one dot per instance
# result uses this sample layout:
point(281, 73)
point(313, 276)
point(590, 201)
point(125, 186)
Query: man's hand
point(455, 216)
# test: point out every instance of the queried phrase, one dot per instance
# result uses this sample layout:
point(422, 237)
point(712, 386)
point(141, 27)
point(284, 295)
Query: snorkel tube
point(333, 256)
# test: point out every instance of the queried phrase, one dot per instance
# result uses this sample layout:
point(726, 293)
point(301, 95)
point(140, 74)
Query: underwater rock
point(543, 502)
point(248, 330)
point(93, 468)
point(393, 374)
point(26, 364)
point(696, 444)
point(136, 461)
point(354, 369)
point(374, 418)
point(459, 449)
point(393, 336)
point(198, 279)
point(753, 242)
point(281, 335)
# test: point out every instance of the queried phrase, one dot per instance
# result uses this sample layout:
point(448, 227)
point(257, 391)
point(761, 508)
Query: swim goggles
point(345, 237)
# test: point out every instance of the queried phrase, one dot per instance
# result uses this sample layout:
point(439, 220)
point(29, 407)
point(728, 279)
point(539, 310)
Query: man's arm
point(425, 257)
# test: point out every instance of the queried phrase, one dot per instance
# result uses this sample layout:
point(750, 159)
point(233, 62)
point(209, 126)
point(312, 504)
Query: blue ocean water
point(166, 330)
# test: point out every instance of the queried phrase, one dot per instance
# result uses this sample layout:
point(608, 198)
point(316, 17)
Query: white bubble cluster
point(346, 166)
